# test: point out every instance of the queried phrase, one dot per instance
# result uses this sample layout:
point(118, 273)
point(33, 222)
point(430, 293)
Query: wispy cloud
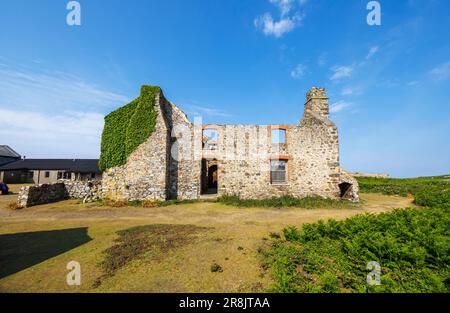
point(442, 71)
point(65, 134)
point(299, 71)
point(37, 88)
point(372, 51)
point(49, 113)
point(413, 83)
point(288, 21)
point(339, 106)
point(207, 111)
point(284, 5)
point(341, 72)
point(351, 91)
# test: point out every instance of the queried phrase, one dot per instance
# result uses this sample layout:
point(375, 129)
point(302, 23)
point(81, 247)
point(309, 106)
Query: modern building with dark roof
point(44, 171)
point(8, 155)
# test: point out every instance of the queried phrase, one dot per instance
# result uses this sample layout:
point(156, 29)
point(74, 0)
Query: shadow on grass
point(22, 250)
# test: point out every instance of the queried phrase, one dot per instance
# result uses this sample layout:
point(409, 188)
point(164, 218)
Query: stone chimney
point(317, 102)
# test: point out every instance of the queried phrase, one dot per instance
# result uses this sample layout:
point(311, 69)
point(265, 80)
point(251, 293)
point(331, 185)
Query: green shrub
point(411, 245)
point(308, 202)
point(433, 197)
point(216, 268)
point(128, 127)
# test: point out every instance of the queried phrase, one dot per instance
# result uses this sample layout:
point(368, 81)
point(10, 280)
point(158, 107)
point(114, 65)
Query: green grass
point(399, 186)
point(308, 202)
point(412, 247)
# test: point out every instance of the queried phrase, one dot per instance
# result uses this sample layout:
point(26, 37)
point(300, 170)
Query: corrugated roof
point(6, 151)
point(73, 165)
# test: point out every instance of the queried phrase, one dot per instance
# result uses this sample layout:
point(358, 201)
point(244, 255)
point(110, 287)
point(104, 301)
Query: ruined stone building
point(184, 160)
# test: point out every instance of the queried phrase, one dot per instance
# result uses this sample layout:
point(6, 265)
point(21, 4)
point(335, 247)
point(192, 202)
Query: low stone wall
point(87, 190)
point(47, 193)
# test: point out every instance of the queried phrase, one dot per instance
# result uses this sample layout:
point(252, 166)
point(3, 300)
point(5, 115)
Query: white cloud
point(341, 72)
point(287, 22)
point(276, 28)
point(372, 52)
point(61, 135)
point(442, 71)
point(339, 106)
point(413, 83)
point(284, 5)
point(298, 71)
point(52, 114)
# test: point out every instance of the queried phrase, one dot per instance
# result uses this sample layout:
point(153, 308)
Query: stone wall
point(63, 190)
point(151, 172)
point(145, 174)
point(154, 170)
point(89, 191)
point(47, 193)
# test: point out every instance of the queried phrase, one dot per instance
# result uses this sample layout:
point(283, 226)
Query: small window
point(30, 174)
point(278, 171)
point(47, 174)
point(278, 136)
point(210, 137)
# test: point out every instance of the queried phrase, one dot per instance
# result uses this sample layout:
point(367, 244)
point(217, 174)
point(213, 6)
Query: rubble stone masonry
point(169, 164)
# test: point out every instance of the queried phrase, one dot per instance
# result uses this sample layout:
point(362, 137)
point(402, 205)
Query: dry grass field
point(173, 251)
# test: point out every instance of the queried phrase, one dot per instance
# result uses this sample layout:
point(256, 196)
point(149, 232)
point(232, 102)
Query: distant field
point(401, 186)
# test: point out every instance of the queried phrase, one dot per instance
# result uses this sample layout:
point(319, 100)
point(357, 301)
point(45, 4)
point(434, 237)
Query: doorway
point(345, 190)
point(209, 178)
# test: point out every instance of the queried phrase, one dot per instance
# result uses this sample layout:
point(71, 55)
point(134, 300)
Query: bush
point(151, 204)
point(433, 197)
point(128, 127)
point(216, 268)
point(308, 202)
point(116, 203)
point(14, 206)
point(411, 245)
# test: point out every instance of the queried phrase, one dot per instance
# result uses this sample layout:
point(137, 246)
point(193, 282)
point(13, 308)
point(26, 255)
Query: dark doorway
point(212, 177)
point(345, 189)
point(209, 177)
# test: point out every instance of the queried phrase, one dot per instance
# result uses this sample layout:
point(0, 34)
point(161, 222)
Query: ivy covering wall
point(128, 127)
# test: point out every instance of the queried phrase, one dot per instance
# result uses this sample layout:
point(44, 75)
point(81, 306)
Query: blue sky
point(232, 62)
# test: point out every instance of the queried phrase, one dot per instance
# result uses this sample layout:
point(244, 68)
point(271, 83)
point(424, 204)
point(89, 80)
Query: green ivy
point(128, 127)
